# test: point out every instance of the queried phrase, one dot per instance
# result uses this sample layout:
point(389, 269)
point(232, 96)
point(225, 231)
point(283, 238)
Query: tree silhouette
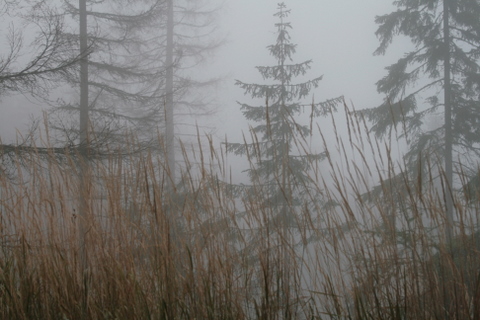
point(278, 162)
point(438, 79)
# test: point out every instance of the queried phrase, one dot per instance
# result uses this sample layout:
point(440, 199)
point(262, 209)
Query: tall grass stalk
point(373, 249)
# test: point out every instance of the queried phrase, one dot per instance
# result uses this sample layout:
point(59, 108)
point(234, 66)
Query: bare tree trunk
point(448, 124)
point(448, 154)
point(169, 103)
point(83, 152)
point(83, 73)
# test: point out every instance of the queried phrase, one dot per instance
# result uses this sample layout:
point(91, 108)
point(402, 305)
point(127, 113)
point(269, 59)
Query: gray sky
point(339, 36)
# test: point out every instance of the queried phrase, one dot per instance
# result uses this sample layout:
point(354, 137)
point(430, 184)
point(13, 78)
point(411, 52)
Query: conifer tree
point(121, 77)
point(278, 166)
point(438, 79)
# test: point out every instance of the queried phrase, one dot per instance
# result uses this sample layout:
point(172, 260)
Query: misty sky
point(339, 36)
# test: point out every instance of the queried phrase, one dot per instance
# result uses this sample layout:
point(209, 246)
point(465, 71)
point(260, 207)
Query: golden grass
point(140, 251)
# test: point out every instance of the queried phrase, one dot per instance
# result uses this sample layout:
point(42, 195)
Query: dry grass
point(197, 252)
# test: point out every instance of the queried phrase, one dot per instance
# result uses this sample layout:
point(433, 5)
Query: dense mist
point(222, 159)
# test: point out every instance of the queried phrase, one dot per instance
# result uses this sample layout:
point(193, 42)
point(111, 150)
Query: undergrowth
point(373, 248)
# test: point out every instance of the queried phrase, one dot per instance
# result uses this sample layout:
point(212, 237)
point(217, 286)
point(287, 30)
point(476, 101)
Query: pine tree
point(121, 76)
point(113, 73)
point(280, 169)
point(439, 78)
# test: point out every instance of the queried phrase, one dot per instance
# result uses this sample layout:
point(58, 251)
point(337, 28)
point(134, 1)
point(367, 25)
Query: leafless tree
point(32, 66)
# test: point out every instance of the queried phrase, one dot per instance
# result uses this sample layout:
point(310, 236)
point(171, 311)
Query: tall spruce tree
point(281, 171)
point(438, 79)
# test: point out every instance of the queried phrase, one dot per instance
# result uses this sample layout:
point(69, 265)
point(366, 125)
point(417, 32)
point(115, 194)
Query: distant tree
point(438, 79)
point(119, 78)
point(134, 73)
point(279, 165)
point(118, 98)
point(138, 69)
point(189, 39)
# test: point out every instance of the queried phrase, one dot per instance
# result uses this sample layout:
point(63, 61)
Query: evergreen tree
point(121, 76)
point(278, 166)
point(438, 79)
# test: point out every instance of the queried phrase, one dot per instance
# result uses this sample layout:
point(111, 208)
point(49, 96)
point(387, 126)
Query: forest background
point(339, 37)
point(109, 226)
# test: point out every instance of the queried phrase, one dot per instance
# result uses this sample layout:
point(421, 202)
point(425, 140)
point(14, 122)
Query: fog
point(338, 36)
point(164, 201)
